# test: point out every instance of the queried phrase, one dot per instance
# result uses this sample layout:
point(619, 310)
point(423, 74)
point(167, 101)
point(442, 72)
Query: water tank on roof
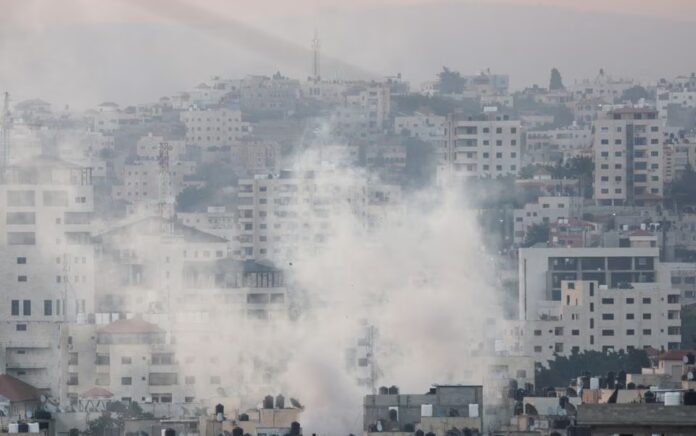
point(13, 427)
point(672, 398)
point(268, 402)
point(690, 398)
point(594, 383)
point(33, 427)
point(426, 410)
point(383, 390)
point(393, 390)
point(238, 431)
point(280, 401)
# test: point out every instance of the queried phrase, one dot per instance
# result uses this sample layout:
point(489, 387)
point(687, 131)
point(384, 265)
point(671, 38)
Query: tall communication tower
point(166, 203)
point(316, 72)
point(6, 126)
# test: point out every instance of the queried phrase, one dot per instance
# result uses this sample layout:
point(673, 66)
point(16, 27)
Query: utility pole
point(316, 73)
point(6, 126)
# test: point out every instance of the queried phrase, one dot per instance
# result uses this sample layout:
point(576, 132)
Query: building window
point(537, 348)
point(126, 381)
point(647, 332)
point(48, 307)
point(126, 360)
point(647, 316)
point(190, 380)
point(21, 260)
point(575, 332)
point(607, 316)
point(608, 332)
point(72, 379)
point(537, 332)
point(26, 307)
point(630, 316)
point(607, 301)
point(21, 327)
point(14, 310)
point(646, 301)
point(629, 301)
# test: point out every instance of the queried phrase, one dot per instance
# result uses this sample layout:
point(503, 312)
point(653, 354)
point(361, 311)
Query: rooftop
point(636, 414)
point(16, 390)
point(133, 325)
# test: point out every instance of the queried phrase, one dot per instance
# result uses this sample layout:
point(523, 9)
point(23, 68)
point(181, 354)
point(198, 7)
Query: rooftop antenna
point(316, 73)
point(6, 126)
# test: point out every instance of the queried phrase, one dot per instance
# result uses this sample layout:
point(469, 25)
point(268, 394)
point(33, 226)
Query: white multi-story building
point(149, 147)
point(142, 181)
point(46, 266)
point(595, 317)
point(628, 157)
point(603, 87)
point(559, 144)
point(542, 270)
point(545, 210)
point(679, 92)
point(426, 127)
point(278, 213)
point(488, 145)
point(372, 100)
point(214, 127)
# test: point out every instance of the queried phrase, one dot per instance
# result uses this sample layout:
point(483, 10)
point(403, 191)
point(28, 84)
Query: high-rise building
point(628, 157)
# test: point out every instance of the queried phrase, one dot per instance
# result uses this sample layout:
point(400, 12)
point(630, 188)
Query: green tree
point(192, 199)
point(683, 190)
point(563, 369)
point(634, 94)
point(536, 233)
point(578, 167)
point(450, 82)
point(556, 82)
point(420, 168)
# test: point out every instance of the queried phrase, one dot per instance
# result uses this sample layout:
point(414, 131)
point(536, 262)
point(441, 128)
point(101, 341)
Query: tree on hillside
point(450, 82)
point(556, 82)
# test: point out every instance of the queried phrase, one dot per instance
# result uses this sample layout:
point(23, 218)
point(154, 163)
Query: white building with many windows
point(628, 157)
point(488, 145)
point(596, 317)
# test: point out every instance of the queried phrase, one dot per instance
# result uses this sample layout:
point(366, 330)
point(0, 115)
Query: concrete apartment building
point(141, 264)
point(487, 145)
point(276, 214)
point(141, 181)
point(374, 100)
point(148, 147)
point(552, 146)
point(214, 127)
point(426, 127)
point(628, 157)
point(46, 266)
point(261, 94)
point(542, 271)
point(680, 92)
point(590, 316)
point(546, 210)
point(439, 410)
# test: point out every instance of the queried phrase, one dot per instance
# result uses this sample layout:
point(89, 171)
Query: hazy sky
point(83, 52)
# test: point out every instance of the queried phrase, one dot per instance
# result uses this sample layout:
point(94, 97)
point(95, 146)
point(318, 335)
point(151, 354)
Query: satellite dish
point(43, 398)
point(690, 375)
